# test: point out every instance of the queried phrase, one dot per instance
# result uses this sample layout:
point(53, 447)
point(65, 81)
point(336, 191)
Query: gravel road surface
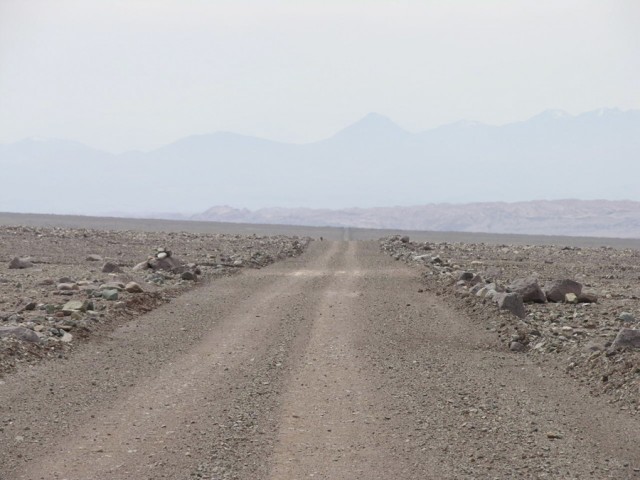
point(330, 365)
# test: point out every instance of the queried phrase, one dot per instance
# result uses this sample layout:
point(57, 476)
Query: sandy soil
point(335, 364)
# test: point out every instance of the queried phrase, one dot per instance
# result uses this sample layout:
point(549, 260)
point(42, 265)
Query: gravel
point(594, 293)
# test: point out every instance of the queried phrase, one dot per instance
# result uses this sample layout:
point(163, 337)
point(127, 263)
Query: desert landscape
point(278, 240)
point(177, 354)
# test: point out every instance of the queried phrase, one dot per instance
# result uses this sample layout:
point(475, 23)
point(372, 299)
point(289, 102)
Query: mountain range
point(586, 218)
point(371, 163)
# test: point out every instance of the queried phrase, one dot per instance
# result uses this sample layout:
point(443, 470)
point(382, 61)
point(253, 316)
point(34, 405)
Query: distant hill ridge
point(373, 162)
point(598, 218)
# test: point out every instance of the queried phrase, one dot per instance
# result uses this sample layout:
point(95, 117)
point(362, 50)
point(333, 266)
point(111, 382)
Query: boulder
point(627, 337)
point(511, 302)
point(529, 289)
point(111, 267)
point(20, 263)
point(558, 289)
point(20, 333)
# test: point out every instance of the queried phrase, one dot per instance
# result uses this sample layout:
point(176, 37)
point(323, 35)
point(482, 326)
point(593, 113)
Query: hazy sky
point(136, 74)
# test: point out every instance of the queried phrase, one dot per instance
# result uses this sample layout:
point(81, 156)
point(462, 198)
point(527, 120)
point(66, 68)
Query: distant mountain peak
point(375, 117)
point(603, 112)
point(372, 125)
point(552, 114)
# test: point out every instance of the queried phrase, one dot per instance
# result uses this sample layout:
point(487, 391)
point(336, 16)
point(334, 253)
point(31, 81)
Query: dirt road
point(331, 365)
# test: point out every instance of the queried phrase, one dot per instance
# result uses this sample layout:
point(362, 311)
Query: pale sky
point(137, 74)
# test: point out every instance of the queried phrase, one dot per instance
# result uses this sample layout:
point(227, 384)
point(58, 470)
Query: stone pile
point(77, 280)
point(572, 303)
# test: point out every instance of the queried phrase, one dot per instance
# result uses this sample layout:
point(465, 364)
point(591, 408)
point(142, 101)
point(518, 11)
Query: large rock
point(558, 289)
point(627, 337)
point(529, 289)
point(512, 302)
point(21, 333)
point(20, 263)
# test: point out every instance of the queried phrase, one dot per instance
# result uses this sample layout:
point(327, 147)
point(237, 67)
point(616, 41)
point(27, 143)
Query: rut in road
point(330, 365)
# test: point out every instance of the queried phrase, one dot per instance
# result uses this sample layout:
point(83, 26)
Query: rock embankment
point(59, 285)
point(580, 306)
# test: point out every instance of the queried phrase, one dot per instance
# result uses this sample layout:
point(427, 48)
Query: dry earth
point(334, 364)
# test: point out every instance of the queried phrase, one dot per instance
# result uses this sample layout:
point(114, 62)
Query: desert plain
point(156, 349)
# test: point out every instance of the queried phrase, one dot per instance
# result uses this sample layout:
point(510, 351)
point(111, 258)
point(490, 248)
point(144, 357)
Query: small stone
point(66, 337)
point(20, 263)
point(627, 337)
point(465, 276)
point(188, 276)
point(554, 435)
point(594, 347)
point(110, 295)
point(571, 298)
point(111, 267)
point(67, 286)
point(21, 333)
point(94, 258)
point(587, 297)
point(73, 305)
point(133, 287)
point(517, 347)
point(112, 286)
point(141, 266)
point(626, 317)
point(405, 239)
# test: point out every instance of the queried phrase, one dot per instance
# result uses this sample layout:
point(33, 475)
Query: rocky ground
point(576, 307)
point(60, 285)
